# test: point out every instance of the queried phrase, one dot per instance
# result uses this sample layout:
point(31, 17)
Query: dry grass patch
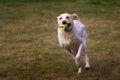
point(29, 48)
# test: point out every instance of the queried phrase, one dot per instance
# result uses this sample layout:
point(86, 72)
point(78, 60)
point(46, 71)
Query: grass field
point(29, 49)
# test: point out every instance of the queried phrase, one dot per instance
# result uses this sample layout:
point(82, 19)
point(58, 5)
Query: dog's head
point(65, 19)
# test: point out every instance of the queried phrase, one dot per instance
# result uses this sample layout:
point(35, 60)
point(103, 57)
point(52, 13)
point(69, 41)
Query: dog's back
point(79, 27)
point(79, 30)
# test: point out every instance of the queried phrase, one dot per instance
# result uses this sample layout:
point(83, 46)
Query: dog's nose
point(64, 22)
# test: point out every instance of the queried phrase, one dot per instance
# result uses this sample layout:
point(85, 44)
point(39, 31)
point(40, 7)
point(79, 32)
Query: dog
point(72, 38)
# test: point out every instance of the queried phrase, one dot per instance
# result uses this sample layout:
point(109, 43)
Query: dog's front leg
point(78, 62)
point(86, 56)
point(79, 51)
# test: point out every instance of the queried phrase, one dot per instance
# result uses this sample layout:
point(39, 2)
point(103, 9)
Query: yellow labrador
point(73, 37)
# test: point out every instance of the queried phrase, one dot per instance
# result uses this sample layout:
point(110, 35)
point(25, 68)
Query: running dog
point(72, 38)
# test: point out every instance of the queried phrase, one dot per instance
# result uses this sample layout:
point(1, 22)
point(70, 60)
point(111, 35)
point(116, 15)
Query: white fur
point(74, 39)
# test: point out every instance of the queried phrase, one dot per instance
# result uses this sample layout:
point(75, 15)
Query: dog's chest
point(67, 40)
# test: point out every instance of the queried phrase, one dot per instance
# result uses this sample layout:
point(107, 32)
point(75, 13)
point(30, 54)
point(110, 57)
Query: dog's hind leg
point(77, 60)
point(79, 65)
point(71, 53)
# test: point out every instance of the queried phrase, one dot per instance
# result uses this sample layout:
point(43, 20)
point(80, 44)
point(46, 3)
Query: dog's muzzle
point(66, 29)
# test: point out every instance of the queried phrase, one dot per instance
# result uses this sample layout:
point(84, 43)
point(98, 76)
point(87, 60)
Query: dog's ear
point(75, 17)
point(56, 19)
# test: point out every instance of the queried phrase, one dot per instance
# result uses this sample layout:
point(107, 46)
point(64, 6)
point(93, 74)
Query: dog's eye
point(67, 17)
point(60, 18)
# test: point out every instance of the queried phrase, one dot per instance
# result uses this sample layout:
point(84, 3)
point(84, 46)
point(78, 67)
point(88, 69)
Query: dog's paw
point(79, 70)
point(77, 56)
point(87, 68)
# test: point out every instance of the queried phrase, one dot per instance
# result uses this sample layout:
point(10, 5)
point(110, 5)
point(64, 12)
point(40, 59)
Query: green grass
point(29, 49)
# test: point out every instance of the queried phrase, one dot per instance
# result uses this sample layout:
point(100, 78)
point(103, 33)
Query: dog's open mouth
point(67, 27)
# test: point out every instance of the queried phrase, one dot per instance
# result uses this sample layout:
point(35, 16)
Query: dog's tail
point(75, 17)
